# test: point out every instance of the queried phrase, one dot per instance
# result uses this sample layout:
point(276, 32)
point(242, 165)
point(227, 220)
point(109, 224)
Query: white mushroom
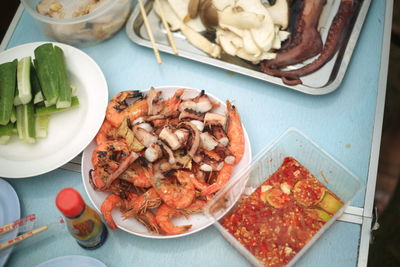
point(249, 44)
point(172, 19)
point(226, 40)
point(255, 60)
point(239, 18)
point(175, 12)
point(280, 36)
point(201, 42)
point(222, 4)
point(180, 8)
point(263, 35)
point(193, 8)
point(208, 14)
point(279, 13)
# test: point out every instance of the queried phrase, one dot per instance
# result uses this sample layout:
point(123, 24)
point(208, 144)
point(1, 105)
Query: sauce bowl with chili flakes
point(279, 206)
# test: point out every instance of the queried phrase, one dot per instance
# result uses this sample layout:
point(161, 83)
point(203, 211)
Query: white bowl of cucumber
point(52, 103)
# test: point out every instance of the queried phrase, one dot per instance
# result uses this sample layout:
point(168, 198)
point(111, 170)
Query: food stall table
point(346, 123)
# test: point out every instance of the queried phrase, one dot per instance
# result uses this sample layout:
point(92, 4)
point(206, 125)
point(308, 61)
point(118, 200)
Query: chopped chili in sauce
point(282, 214)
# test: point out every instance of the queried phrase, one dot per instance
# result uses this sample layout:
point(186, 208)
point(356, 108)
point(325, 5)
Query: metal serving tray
point(323, 81)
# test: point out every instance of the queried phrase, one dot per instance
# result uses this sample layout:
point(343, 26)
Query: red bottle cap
point(70, 202)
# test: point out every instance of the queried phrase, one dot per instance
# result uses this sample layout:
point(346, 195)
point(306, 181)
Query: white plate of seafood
point(160, 156)
point(69, 132)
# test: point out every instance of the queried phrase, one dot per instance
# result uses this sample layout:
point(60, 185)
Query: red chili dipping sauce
point(282, 214)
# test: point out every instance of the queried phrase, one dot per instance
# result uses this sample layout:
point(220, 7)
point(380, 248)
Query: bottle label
point(83, 229)
point(87, 229)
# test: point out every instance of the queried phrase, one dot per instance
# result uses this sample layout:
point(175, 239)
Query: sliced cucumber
point(24, 90)
point(44, 110)
point(13, 117)
point(47, 72)
point(36, 90)
point(38, 98)
point(26, 123)
point(64, 87)
point(6, 131)
point(41, 126)
point(8, 72)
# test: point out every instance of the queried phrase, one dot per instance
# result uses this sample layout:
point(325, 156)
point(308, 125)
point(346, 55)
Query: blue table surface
point(341, 122)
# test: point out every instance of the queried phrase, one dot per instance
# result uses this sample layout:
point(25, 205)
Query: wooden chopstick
point(12, 225)
point(149, 32)
point(7, 227)
point(22, 237)
point(166, 26)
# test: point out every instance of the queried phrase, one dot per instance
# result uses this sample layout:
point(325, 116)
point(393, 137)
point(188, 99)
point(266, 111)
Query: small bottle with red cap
point(83, 223)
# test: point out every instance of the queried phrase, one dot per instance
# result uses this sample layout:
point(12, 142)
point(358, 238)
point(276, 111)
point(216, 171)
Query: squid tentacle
point(336, 34)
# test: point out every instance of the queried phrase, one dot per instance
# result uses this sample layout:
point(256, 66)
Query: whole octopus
point(306, 42)
point(164, 158)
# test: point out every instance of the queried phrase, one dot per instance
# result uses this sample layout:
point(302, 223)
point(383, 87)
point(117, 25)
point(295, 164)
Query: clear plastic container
point(292, 143)
point(96, 26)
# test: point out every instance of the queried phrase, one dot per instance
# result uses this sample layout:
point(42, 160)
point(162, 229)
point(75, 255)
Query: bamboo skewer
point(22, 237)
point(149, 32)
point(166, 26)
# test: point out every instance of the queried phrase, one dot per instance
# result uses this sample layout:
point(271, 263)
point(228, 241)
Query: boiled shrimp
point(175, 195)
point(171, 105)
point(149, 220)
point(236, 146)
point(196, 207)
point(112, 201)
point(104, 174)
point(121, 168)
point(142, 203)
point(99, 175)
point(235, 132)
point(111, 150)
point(138, 175)
point(118, 108)
point(198, 180)
point(107, 132)
point(121, 188)
point(223, 177)
point(164, 216)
